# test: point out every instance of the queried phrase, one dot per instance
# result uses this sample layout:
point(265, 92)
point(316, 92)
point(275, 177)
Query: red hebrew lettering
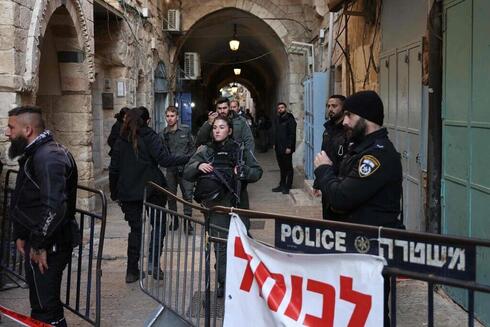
point(362, 302)
point(294, 308)
point(261, 274)
point(278, 290)
point(328, 309)
point(248, 276)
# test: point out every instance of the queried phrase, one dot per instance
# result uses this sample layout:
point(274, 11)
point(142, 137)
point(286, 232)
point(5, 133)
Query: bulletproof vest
point(225, 157)
point(211, 187)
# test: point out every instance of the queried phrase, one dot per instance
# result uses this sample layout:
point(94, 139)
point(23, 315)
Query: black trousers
point(133, 211)
point(285, 162)
point(44, 289)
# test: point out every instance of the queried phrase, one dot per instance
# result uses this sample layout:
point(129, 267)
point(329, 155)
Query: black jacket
point(368, 187)
point(44, 200)
point(285, 133)
point(129, 172)
point(113, 136)
point(334, 142)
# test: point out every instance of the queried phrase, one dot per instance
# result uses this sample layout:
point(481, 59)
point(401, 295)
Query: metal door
point(161, 88)
point(401, 92)
point(315, 99)
point(466, 131)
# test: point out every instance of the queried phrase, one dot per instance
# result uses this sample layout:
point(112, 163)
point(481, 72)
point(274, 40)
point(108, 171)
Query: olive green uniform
point(252, 172)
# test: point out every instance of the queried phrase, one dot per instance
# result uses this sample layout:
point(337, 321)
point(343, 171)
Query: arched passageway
point(261, 57)
point(64, 87)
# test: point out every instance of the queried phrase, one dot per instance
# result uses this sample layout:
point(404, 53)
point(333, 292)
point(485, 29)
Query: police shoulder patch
point(368, 165)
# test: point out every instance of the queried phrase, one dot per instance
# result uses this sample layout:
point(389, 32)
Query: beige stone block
point(239, 4)
point(85, 169)
point(73, 103)
point(247, 5)
point(23, 19)
point(73, 122)
point(8, 12)
point(8, 100)
point(72, 140)
point(7, 37)
point(7, 61)
point(20, 42)
point(73, 77)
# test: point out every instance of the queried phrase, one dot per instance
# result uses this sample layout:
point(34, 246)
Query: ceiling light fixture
point(234, 43)
point(237, 71)
point(234, 88)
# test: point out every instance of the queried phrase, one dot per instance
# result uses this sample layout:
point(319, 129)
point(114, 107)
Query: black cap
point(366, 104)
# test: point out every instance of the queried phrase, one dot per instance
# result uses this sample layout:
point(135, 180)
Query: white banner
point(268, 287)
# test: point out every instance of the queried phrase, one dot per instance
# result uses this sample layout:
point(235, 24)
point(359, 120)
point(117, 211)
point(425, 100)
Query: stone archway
point(63, 88)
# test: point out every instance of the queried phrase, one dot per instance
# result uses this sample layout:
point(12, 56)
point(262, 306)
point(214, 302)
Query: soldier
point(179, 141)
point(218, 171)
point(334, 140)
point(42, 209)
point(241, 131)
point(241, 134)
point(368, 186)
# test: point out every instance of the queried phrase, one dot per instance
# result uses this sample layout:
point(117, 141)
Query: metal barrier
point(78, 291)
point(433, 258)
point(181, 278)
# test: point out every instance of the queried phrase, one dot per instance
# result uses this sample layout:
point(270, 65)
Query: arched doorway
point(64, 88)
point(261, 57)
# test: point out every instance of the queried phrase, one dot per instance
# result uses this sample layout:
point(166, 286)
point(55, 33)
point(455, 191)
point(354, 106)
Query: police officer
point(179, 141)
point(218, 168)
point(334, 142)
point(42, 209)
point(368, 186)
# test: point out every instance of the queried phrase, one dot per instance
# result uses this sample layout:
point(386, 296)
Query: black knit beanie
point(366, 104)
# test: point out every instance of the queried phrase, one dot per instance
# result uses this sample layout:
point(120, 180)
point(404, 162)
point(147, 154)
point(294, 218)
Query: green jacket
point(252, 170)
point(179, 143)
point(241, 132)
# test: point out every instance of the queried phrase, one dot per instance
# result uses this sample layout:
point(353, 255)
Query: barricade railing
point(433, 258)
point(79, 293)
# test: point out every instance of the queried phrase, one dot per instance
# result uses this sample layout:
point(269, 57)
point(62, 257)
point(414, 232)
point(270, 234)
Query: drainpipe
point(331, 18)
point(434, 144)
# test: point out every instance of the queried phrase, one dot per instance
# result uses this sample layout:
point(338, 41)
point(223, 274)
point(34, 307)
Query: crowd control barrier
point(81, 286)
point(186, 279)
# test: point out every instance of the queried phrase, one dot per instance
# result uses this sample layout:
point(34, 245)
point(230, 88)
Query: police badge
point(368, 165)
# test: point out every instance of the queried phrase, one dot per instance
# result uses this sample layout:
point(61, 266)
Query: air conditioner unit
point(173, 20)
point(192, 65)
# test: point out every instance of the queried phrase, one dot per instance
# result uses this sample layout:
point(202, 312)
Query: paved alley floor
point(126, 305)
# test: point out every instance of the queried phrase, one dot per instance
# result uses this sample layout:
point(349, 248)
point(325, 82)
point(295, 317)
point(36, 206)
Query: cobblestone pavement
point(126, 305)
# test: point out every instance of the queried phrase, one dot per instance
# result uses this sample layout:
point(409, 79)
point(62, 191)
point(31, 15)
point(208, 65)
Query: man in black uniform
point(334, 140)
point(368, 186)
point(42, 209)
point(285, 145)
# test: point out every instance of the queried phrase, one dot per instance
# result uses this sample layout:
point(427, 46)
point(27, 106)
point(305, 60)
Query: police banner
point(268, 287)
point(404, 251)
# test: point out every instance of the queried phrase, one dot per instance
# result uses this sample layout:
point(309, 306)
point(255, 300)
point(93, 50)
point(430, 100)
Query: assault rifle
point(240, 173)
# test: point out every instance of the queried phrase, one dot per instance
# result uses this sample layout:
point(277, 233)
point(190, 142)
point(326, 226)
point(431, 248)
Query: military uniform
point(368, 187)
point(179, 142)
point(241, 132)
point(224, 158)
